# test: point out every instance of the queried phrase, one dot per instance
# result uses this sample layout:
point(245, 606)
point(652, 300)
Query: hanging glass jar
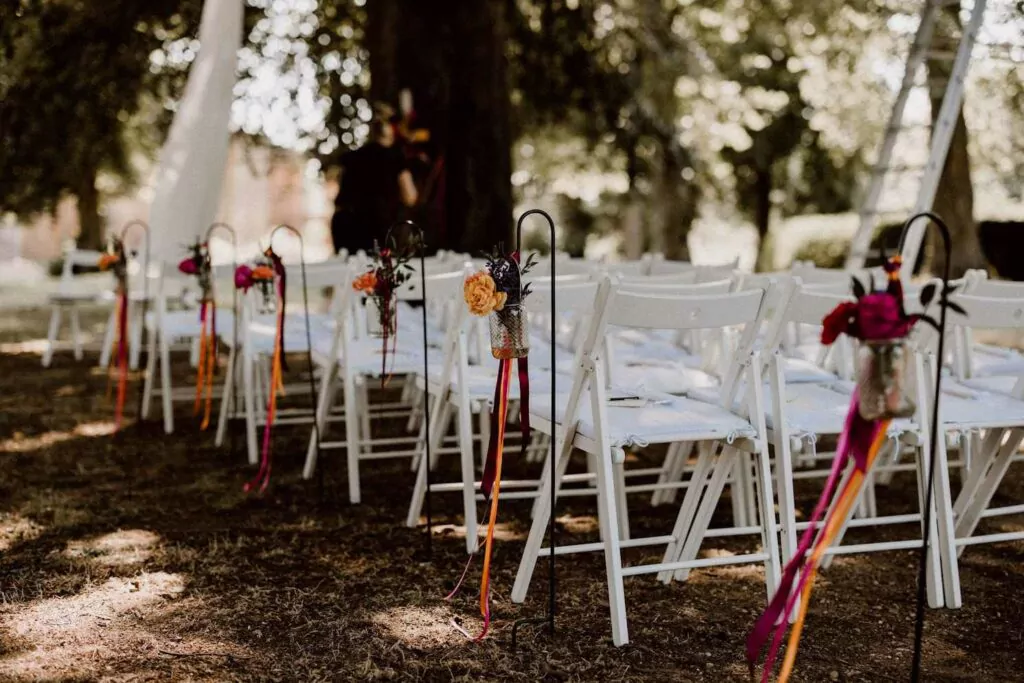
point(381, 315)
point(510, 333)
point(882, 379)
point(266, 299)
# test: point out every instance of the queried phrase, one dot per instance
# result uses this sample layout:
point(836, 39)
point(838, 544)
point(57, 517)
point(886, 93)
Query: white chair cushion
point(662, 419)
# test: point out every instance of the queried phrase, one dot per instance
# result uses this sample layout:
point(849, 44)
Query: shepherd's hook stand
point(234, 317)
point(915, 671)
point(426, 373)
point(137, 223)
point(550, 618)
point(309, 334)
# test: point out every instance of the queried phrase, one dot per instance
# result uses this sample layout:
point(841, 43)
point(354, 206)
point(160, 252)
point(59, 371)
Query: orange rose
point(263, 273)
point(480, 295)
point(366, 282)
point(106, 261)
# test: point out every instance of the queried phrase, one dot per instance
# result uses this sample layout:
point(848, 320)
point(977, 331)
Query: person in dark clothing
point(375, 185)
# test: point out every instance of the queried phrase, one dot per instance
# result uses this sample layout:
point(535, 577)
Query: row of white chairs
point(721, 368)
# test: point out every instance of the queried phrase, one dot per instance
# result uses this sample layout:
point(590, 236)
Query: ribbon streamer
point(491, 482)
point(122, 355)
point(859, 444)
point(262, 478)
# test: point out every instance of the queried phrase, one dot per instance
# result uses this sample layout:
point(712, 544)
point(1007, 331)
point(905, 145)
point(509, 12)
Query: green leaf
point(858, 288)
point(927, 294)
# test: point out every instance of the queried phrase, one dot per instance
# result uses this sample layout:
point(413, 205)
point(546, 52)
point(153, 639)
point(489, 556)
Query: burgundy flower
point(880, 317)
point(243, 277)
point(839, 321)
point(188, 266)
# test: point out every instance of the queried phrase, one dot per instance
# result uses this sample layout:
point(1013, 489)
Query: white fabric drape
point(190, 176)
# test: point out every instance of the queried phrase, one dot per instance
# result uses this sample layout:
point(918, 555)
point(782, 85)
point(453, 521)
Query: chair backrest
point(641, 310)
point(673, 288)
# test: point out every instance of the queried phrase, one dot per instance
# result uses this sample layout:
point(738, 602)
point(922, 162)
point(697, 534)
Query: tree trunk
point(678, 207)
point(479, 150)
point(954, 200)
point(763, 215)
point(90, 226)
point(452, 57)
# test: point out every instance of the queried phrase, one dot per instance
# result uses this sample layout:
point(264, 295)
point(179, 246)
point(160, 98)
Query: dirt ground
point(137, 556)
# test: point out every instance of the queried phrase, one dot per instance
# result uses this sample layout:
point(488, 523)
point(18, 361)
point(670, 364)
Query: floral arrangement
point(198, 264)
point(115, 259)
point(260, 275)
point(389, 271)
point(498, 285)
point(879, 321)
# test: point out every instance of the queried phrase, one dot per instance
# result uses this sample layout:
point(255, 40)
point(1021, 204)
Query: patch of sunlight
point(421, 627)
point(579, 525)
point(751, 570)
point(19, 443)
point(14, 528)
point(36, 346)
point(84, 636)
point(117, 549)
point(502, 532)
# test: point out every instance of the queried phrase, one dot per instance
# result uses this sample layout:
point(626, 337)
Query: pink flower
point(879, 317)
point(188, 266)
point(243, 277)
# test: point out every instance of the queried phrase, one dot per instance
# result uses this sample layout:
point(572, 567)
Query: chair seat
point(988, 361)
point(969, 408)
point(481, 380)
point(999, 384)
point(186, 324)
point(67, 298)
point(810, 408)
point(662, 376)
point(663, 418)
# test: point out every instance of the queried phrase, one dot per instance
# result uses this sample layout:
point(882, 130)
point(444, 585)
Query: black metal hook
point(915, 671)
point(550, 618)
point(426, 370)
point(139, 223)
point(221, 225)
point(309, 333)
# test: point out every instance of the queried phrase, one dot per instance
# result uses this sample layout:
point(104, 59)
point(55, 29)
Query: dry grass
point(136, 556)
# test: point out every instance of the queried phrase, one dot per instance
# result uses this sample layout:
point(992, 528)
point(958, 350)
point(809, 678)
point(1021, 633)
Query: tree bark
point(954, 200)
point(763, 215)
point(479, 157)
point(452, 57)
point(678, 207)
point(90, 226)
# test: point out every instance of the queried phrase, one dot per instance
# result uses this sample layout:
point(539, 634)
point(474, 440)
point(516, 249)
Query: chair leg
point(352, 436)
point(684, 520)
point(468, 467)
point(607, 519)
point(108, 338)
point(542, 512)
point(664, 477)
point(165, 383)
point(249, 394)
point(419, 491)
point(147, 381)
point(76, 332)
point(769, 529)
point(726, 463)
point(619, 482)
point(135, 331)
point(324, 403)
point(227, 395)
point(51, 336)
point(364, 417)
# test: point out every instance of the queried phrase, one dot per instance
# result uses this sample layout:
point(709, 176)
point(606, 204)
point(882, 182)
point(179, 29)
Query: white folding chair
point(348, 363)
point(997, 418)
point(69, 297)
point(606, 429)
point(167, 328)
point(800, 411)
